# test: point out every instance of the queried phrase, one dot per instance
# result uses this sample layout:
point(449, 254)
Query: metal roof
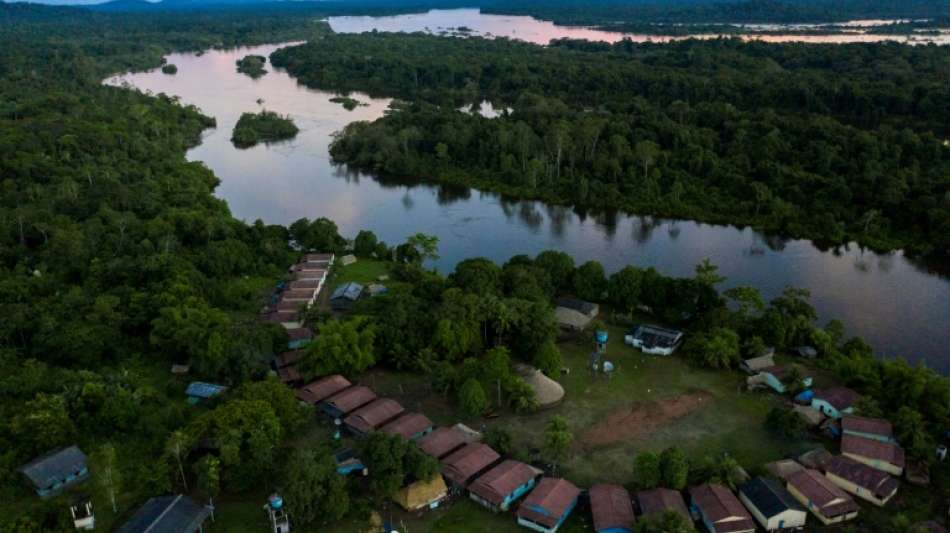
point(871, 426)
point(873, 449)
point(496, 484)
point(322, 389)
point(373, 415)
point(870, 479)
point(659, 500)
point(467, 461)
point(610, 507)
point(200, 389)
point(349, 290)
point(442, 441)
point(167, 514)
point(408, 425)
point(549, 501)
point(54, 467)
point(349, 399)
point(830, 500)
point(769, 497)
point(721, 507)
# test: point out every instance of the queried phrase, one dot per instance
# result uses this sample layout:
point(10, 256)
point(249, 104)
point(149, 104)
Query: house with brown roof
point(325, 259)
point(822, 497)
point(504, 483)
point(321, 389)
point(347, 401)
point(660, 500)
point(611, 509)
point(861, 480)
point(298, 337)
point(548, 505)
point(869, 428)
point(885, 456)
point(835, 401)
point(720, 510)
point(442, 441)
point(372, 416)
point(289, 375)
point(463, 465)
point(410, 425)
point(288, 358)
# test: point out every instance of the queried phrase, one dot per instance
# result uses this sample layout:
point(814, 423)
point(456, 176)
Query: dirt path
point(642, 419)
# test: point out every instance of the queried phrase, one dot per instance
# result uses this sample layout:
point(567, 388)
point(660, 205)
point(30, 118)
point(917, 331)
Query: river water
point(888, 300)
point(525, 28)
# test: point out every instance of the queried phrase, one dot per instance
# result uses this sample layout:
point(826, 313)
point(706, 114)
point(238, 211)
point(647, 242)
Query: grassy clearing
point(362, 271)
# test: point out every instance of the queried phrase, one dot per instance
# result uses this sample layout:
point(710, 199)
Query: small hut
point(547, 391)
point(422, 494)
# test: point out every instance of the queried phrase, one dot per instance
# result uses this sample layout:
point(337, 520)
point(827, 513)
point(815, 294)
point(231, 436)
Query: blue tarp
point(200, 389)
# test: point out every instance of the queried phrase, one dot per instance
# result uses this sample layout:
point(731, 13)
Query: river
point(899, 308)
point(473, 22)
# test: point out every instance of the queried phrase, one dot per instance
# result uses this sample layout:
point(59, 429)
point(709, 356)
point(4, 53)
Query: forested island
point(832, 143)
point(123, 278)
point(169, 69)
point(252, 65)
point(347, 102)
point(263, 127)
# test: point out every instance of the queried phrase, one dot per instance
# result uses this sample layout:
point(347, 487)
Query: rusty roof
point(839, 397)
point(348, 400)
point(408, 425)
point(872, 480)
point(459, 466)
point(549, 501)
point(828, 497)
point(872, 426)
point(322, 389)
point(493, 486)
point(659, 500)
point(373, 415)
point(289, 358)
point(873, 449)
point(442, 441)
point(610, 507)
point(299, 333)
point(721, 507)
point(288, 374)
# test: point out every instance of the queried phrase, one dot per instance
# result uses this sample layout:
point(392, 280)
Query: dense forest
point(829, 142)
point(116, 261)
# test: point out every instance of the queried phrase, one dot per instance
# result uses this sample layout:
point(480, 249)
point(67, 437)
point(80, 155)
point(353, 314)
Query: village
point(852, 464)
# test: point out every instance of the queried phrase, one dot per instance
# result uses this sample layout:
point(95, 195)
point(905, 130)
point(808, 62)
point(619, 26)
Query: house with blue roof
point(345, 296)
point(55, 471)
point(199, 390)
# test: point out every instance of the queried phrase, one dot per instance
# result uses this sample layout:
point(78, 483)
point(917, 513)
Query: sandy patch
point(642, 419)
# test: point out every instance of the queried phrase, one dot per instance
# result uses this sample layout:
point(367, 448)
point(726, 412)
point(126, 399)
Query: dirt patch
point(642, 419)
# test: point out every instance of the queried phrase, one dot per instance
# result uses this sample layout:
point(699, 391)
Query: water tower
point(81, 510)
point(279, 521)
point(600, 342)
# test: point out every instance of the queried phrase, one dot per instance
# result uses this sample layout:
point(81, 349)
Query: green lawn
point(363, 271)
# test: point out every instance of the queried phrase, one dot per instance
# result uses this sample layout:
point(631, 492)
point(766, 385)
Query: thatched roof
point(421, 494)
point(547, 391)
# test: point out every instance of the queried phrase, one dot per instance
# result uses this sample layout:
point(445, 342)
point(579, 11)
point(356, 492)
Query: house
point(322, 389)
point(322, 259)
point(299, 296)
point(168, 514)
point(548, 505)
point(372, 416)
point(289, 376)
point(298, 338)
point(442, 441)
point(463, 465)
point(654, 339)
point(783, 468)
point(347, 401)
point(611, 509)
point(861, 480)
point(869, 428)
point(807, 352)
point(54, 471)
point(348, 260)
point(345, 296)
point(507, 481)
point(547, 392)
point(719, 509)
point(588, 309)
point(660, 500)
point(756, 364)
point(347, 462)
point(375, 289)
point(570, 319)
point(412, 426)
point(815, 459)
point(834, 402)
point(772, 505)
point(822, 497)
point(199, 390)
point(885, 456)
point(422, 494)
point(288, 358)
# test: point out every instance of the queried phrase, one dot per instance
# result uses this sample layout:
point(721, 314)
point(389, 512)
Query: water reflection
point(892, 302)
point(525, 28)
